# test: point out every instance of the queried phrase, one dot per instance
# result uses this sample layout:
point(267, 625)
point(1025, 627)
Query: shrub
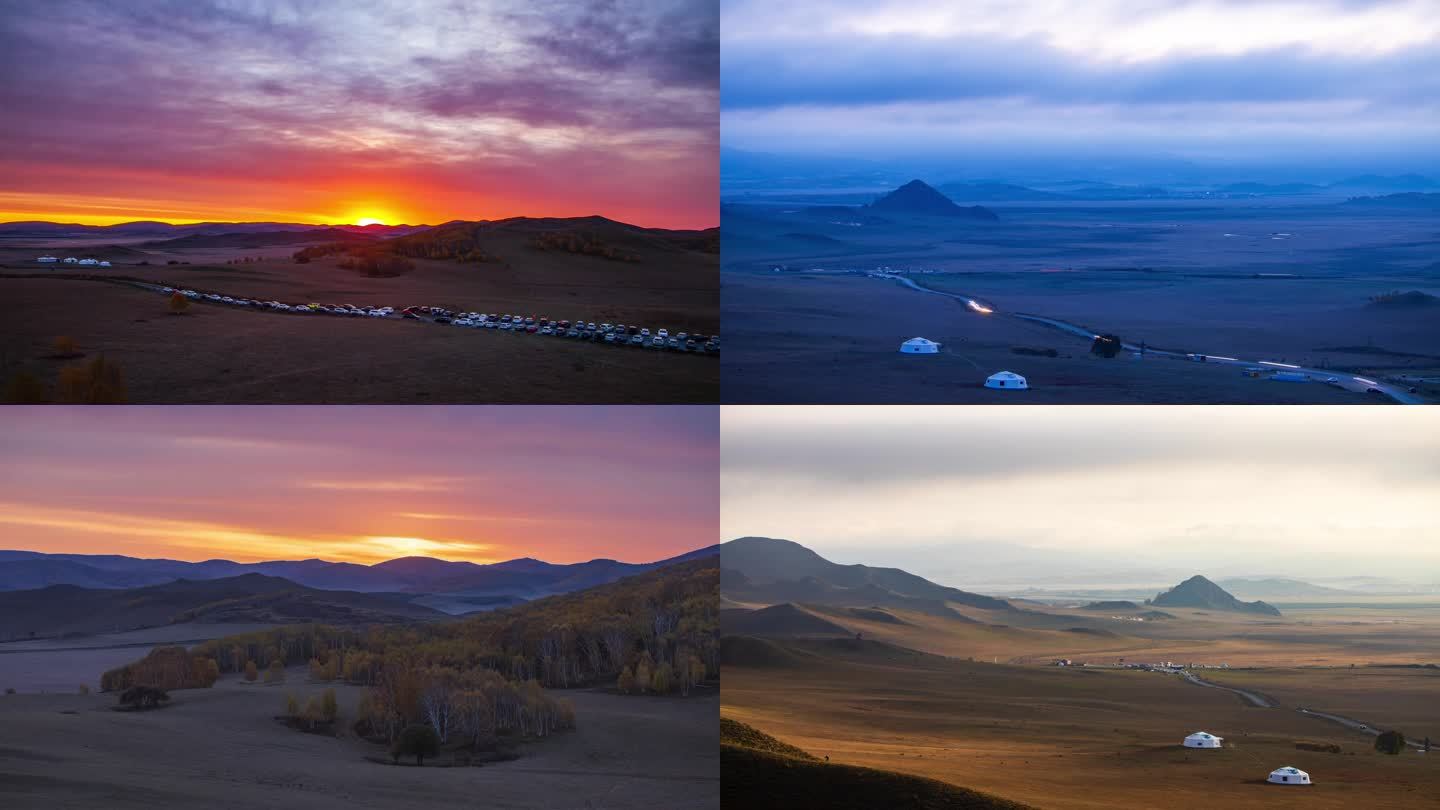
point(418, 740)
point(1326, 748)
point(143, 697)
point(65, 347)
point(626, 684)
point(292, 706)
point(1106, 345)
point(328, 707)
point(25, 388)
point(9, 690)
point(98, 382)
point(251, 671)
point(275, 673)
point(1390, 742)
point(178, 304)
point(84, 690)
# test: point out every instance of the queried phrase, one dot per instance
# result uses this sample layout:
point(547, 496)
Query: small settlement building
point(1202, 739)
point(104, 264)
point(919, 345)
point(1007, 380)
point(1289, 776)
point(89, 261)
point(71, 260)
point(47, 260)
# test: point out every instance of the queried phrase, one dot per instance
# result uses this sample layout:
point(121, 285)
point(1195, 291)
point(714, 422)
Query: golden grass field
point(1099, 736)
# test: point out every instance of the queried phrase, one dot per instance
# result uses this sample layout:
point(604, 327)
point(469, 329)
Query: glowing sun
point(368, 221)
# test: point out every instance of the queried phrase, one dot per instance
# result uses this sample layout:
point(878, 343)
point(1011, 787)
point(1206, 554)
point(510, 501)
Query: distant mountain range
point(1278, 586)
point(918, 198)
point(1409, 199)
point(1199, 592)
point(60, 610)
point(166, 230)
point(763, 569)
point(461, 586)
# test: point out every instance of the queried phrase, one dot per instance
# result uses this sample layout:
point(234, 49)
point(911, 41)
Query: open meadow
point(214, 353)
point(1302, 283)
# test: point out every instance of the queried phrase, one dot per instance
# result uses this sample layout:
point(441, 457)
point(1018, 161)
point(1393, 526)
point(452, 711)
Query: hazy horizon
point(1333, 86)
point(1128, 497)
point(360, 483)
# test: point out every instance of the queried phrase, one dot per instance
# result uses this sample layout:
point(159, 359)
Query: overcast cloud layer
point(961, 493)
point(327, 110)
point(1218, 79)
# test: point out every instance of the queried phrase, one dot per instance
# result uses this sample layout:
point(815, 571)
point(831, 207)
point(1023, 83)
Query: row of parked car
point(349, 310)
point(618, 334)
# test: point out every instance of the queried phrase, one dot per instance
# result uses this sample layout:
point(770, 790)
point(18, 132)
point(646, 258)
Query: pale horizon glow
point(959, 493)
point(360, 484)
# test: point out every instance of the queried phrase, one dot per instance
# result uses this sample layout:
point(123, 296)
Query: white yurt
point(47, 259)
point(1289, 776)
point(919, 345)
point(1006, 379)
point(1201, 739)
point(104, 264)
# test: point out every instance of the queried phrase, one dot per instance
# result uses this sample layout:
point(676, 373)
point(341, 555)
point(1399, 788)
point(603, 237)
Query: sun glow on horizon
point(368, 221)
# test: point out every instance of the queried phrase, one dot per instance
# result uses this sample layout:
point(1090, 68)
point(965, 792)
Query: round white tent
point(1201, 739)
point(919, 345)
point(1006, 379)
point(1289, 776)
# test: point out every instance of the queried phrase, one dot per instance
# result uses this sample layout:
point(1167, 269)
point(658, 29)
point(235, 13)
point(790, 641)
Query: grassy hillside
point(758, 771)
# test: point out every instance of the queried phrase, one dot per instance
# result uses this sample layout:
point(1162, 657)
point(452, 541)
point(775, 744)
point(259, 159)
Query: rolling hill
point(472, 586)
point(771, 570)
point(758, 771)
point(918, 198)
point(246, 239)
point(250, 598)
point(1199, 592)
point(779, 620)
point(52, 230)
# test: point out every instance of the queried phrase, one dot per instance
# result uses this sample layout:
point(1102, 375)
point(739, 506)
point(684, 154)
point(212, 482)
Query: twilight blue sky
point(1208, 80)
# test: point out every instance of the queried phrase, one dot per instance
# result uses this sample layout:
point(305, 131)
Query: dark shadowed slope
point(918, 198)
point(1199, 592)
point(779, 620)
point(778, 566)
point(758, 772)
point(251, 598)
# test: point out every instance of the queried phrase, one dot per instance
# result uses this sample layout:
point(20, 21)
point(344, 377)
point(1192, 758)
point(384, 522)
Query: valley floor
point(221, 748)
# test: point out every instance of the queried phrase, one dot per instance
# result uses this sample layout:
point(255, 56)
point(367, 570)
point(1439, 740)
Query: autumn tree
point(24, 388)
point(417, 740)
point(626, 683)
point(98, 382)
point(178, 303)
point(329, 709)
point(65, 348)
point(292, 706)
point(275, 673)
point(251, 671)
point(1390, 742)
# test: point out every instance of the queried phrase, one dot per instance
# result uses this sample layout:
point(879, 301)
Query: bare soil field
point(1286, 283)
point(221, 747)
point(1060, 737)
point(214, 354)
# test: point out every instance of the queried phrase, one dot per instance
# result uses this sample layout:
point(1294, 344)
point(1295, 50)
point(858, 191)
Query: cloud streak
point(432, 110)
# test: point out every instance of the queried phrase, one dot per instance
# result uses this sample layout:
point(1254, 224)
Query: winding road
point(1341, 380)
point(1265, 703)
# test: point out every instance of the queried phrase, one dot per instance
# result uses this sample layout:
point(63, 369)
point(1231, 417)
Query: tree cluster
point(585, 244)
point(164, 668)
point(1106, 345)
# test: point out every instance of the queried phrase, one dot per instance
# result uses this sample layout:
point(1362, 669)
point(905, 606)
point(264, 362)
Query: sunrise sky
point(361, 484)
point(333, 111)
